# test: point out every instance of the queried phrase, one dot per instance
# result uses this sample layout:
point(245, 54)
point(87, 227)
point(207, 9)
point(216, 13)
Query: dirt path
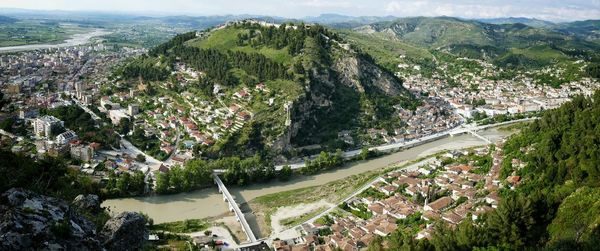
point(283, 213)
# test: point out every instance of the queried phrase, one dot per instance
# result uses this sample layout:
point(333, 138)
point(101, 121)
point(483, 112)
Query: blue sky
point(555, 10)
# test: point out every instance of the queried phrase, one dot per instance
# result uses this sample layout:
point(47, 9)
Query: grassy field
point(225, 39)
point(386, 51)
point(186, 226)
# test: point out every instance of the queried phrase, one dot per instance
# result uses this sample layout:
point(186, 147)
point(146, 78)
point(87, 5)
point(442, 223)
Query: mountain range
point(505, 44)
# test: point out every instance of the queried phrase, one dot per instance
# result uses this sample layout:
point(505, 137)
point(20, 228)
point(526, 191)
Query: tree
point(124, 126)
point(285, 173)
point(162, 183)
point(140, 158)
point(512, 222)
point(364, 153)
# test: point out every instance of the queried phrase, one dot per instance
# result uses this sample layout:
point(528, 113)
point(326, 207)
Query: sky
point(553, 10)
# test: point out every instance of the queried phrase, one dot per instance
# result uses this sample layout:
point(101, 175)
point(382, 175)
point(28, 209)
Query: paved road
point(86, 109)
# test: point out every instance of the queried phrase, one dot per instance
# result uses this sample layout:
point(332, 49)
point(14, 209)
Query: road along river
point(77, 39)
point(209, 203)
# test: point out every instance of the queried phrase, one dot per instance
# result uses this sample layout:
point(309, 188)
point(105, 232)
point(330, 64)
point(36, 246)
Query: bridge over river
point(234, 207)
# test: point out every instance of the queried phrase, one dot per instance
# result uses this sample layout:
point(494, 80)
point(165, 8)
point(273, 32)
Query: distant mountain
point(342, 21)
point(202, 22)
point(518, 20)
point(7, 20)
point(589, 29)
point(513, 44)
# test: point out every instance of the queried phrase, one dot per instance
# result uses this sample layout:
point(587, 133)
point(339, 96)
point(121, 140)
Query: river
point(77, 39)
point(209, 203)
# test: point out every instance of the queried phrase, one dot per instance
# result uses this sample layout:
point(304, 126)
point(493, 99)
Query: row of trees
point(323, 161)
point(125, 184)
point(193, 175)
point(198, 173)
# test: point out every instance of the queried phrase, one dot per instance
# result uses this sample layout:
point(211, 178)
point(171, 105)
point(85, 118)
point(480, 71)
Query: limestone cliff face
point(333, 95)
point(363, 75)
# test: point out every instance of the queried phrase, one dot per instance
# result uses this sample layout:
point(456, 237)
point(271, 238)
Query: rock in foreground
point(125, 231)
point(29, 221)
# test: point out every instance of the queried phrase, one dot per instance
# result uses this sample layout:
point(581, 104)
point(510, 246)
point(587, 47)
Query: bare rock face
point(29, 221)
point(126, 231)
point(89, 203)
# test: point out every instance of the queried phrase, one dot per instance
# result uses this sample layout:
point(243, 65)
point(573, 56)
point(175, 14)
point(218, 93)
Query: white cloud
point(558, 10)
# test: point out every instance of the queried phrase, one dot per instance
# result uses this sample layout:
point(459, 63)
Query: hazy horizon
point(557, 11)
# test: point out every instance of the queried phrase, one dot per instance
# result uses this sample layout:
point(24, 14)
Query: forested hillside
point(327, 85)
point(557, 206)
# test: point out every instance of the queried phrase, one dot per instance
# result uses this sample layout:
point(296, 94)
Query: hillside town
point(482, 93)
point(450, 188)
point(174, 127)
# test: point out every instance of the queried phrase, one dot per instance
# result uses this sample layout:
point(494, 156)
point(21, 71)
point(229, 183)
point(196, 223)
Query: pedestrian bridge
point(233, 207)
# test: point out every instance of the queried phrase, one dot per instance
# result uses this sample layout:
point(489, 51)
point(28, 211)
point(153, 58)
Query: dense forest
point(558, 205)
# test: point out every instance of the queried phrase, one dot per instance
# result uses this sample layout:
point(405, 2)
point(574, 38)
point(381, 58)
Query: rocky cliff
point(340, 95)
point(29, 221)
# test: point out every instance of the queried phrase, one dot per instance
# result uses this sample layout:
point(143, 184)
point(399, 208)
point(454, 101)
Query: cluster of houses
point(45, 73)
point(47, 79)
point(444, 189)
point(187, 119)
point(484, 93)
point(435, 115)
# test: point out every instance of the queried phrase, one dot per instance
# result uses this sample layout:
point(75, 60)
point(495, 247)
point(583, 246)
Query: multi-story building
point(82, 152)
point(66, 137)
point(133, 110)
point(43, 126)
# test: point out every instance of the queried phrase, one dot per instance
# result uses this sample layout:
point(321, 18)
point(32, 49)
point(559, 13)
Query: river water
point(77, 39)
point(209, 203)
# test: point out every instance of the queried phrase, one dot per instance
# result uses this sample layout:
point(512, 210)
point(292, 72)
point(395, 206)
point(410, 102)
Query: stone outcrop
point(126, 231)
point(89, 203)
point(29, 221)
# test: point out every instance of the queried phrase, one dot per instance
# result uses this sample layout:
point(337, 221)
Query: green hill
point(515, 20)
point(510, 44)
point(327, 85)
point(589, 29)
